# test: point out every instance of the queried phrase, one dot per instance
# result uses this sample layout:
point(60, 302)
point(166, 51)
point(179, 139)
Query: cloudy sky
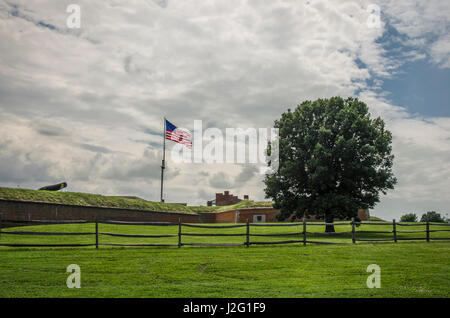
point(86, 105)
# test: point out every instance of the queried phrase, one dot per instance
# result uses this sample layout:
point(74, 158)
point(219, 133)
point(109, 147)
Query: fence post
point(353, 231)
point(1, 224)
point(428, 231)
point(394, 230)
point(247, 243)
point(96, 231)
point(304, 232)
point(179, 232)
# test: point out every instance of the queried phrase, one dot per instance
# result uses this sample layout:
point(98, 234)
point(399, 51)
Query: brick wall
point(247, 214)
point(21, 210)
point(226, 217)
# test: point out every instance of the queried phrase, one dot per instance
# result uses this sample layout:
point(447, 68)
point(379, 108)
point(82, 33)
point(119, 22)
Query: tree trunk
point(329, 219)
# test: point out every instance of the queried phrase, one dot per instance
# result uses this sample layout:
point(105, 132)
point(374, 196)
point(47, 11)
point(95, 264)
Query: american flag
point(178, 135)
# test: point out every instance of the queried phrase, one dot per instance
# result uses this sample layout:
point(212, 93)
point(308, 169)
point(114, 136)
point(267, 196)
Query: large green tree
point(333, 160)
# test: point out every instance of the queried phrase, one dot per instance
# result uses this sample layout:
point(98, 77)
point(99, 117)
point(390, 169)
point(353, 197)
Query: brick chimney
point(226, 199)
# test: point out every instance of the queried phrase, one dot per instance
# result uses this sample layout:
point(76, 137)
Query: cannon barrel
point(54, 187)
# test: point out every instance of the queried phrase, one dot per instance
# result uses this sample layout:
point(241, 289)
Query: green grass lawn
point(408, 269)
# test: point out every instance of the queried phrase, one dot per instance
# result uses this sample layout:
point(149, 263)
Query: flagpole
point(163, 164)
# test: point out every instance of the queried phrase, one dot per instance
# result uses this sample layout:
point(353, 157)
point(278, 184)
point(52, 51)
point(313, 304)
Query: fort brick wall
point(226, 217)
point(26, 211)
point(247, 214)
point(22, 210)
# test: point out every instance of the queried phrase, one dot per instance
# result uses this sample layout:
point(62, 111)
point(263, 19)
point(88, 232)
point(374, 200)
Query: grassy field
point(88, 199)
point(408, 269)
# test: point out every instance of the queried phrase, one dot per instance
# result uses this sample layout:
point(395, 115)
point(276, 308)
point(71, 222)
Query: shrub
point(409, 217)
point(432, 216)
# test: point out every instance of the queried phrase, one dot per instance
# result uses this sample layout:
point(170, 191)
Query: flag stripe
point(177, 135)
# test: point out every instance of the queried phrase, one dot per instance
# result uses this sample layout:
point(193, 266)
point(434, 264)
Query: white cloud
point(440, 51)
point(426, 25)
point(422, 160)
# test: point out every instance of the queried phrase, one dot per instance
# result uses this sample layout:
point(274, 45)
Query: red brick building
point(260, 214)
point(225, 198)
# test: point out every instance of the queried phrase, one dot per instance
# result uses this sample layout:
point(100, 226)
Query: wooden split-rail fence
point(299, 237)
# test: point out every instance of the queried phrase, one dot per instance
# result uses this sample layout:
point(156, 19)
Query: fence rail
point(301, 235)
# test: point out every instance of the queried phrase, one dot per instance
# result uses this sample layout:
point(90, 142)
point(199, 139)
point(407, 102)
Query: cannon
point(54, 187)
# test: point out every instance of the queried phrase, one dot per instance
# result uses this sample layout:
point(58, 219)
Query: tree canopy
point(432, 216)
point(409, 217)
point(333, 160)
